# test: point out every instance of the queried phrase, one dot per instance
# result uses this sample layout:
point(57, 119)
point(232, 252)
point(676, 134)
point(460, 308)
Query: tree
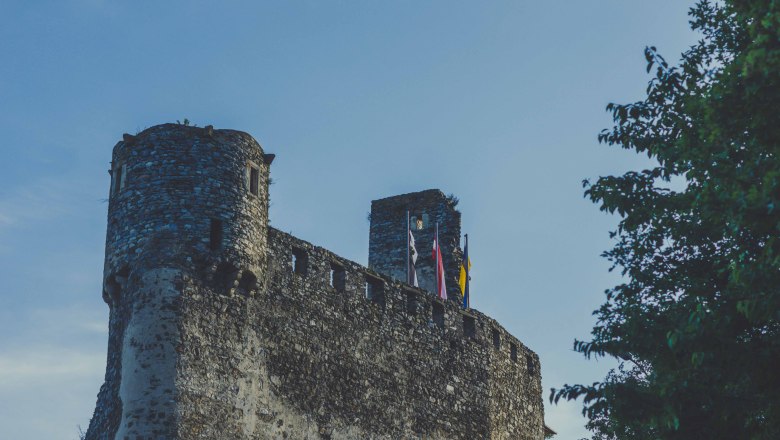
point(696, 324)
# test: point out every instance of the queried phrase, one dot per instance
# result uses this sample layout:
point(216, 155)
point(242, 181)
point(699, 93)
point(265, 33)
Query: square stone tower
point(387, 237)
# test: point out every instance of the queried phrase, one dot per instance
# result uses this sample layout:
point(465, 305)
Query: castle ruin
point(222, 327)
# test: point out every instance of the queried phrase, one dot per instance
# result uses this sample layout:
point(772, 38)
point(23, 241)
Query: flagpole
point(467, 296)
point(407, 249)
point(438, 287)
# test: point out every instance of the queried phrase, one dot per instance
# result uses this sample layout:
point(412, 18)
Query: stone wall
point(309, 359)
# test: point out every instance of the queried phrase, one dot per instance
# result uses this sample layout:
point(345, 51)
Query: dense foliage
point(696, 325)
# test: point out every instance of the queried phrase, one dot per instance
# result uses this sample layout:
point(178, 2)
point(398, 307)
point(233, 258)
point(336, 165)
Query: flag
point(441, 285)
point(465, 269)
point(412, 281)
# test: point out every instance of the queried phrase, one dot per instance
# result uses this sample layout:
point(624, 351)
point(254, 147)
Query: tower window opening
point(119, 178)
point(419, 221)
point(411, 302)
point(338, 277)
point(438, 314)
point(375, 291)
point(216, 235)
point(513, 352)
point(469, 327)
point(496, 339)
point(530, 364)
point(254, 179)
point(299, 261)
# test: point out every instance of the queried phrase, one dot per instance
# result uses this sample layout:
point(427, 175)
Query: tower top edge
point(175, 131)
point(433, 193)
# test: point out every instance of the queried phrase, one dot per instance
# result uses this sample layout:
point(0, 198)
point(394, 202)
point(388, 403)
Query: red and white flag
point(441, 286)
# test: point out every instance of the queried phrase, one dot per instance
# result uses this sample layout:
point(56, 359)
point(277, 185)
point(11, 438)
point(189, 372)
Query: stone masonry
point(221, 327)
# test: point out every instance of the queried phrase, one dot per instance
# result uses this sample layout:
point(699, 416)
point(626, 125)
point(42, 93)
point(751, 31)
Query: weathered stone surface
point(231, 340)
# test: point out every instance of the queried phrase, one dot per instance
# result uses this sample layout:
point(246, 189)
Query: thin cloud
point(99, 327)
point(74, 316)
point(69, 323)
point(44, 199)
point(40, 364)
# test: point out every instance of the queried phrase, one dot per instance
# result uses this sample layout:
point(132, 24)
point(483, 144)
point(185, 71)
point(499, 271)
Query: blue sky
point(497, 102)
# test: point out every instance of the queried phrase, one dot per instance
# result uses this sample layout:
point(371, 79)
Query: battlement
point(395, 301)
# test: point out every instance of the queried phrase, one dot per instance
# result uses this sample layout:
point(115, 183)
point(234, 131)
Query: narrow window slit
point(119, 178)
point(530, 364)
point(411, 302)
point(469, 327)
point(254, 180)
point(438, 314)
point(513, 352)
point(338, 277)
point(375, 291)
point(299, 261)
point(496, 339)
point(216, 235)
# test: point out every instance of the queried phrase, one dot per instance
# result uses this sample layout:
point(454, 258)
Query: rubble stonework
point(231, 340)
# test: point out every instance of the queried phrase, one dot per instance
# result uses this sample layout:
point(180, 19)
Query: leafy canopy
point(695, 326)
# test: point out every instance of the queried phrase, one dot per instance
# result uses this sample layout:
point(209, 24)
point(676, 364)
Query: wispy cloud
point(72, 327)
point(36, 365)
point(77, 318)
point(43, 199)
point(53, 365)
point(46, 391)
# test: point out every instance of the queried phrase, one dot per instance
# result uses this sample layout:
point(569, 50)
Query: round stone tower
point(186, 203)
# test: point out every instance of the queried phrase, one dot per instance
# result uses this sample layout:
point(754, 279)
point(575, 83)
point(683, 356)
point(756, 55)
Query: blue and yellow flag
point(465, 268)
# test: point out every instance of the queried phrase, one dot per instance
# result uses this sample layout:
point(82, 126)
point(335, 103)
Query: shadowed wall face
point(387, 237)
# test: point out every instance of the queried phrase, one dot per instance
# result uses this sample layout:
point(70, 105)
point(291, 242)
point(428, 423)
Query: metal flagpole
point(466, 294)
point(436, 262)
point(408, 272)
